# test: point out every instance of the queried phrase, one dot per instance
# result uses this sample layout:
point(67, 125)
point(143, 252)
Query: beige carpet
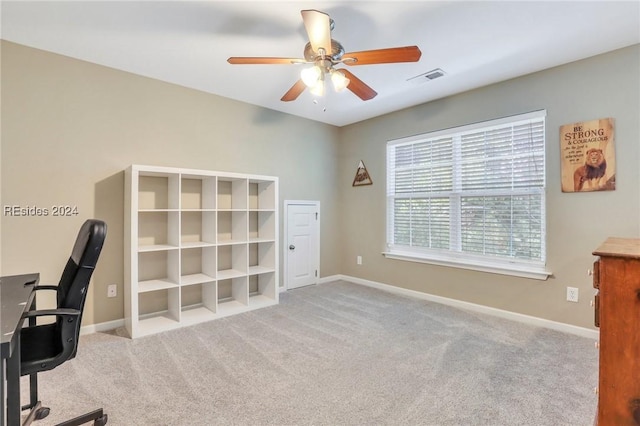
point(333, 354)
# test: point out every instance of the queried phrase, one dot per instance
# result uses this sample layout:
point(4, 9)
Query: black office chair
point(44, 347)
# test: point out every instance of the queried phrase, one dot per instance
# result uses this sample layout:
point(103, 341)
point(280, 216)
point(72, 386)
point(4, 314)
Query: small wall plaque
point(362, 176)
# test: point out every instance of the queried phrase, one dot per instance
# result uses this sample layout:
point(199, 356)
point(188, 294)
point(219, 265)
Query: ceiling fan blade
point(358, 87)
point(247, 60)
point(295, 91)
point(383, 56)
point(318, 26)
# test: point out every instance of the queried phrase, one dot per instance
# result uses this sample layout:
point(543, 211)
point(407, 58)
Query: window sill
point(516, 270)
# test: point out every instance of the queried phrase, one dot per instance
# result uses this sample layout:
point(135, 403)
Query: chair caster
point(101, 421)
point(42, 412)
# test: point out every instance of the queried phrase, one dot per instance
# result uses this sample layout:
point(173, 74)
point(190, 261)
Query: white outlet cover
point(572, 294)
point(112, 290)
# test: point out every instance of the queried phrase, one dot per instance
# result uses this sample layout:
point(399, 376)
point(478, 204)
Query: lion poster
point(588, 156)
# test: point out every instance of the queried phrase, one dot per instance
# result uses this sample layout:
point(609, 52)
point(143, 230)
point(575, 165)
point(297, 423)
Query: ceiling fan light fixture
point(339, 80)
point(318, 88)
point(311, 76)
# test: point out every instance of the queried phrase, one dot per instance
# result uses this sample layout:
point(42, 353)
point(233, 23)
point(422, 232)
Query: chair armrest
point(46, 287)
point(31, 302)
point(50, 312)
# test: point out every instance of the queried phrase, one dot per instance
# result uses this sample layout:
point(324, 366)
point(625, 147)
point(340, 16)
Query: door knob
point(292, 247)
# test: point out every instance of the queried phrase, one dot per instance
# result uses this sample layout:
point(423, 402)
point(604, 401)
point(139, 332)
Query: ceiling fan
point(324, 53)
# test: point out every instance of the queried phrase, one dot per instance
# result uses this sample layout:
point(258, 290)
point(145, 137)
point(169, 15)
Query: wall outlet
point(112, 290)
point(359, 260)
point(572, 294)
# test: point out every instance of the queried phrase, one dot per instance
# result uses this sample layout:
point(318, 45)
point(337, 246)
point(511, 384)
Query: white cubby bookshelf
point(199, 245)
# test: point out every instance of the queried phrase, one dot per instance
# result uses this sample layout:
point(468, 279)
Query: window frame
point(535, 269)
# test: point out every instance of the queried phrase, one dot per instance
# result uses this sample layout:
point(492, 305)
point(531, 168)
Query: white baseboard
point(103, 326)
point(513, 316)
point(323, 280)
point(332, 278)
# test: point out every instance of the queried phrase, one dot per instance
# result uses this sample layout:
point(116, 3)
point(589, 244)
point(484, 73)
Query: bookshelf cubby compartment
point(233, 295)
point(232, 227)
point(262, 226)
point(199, 245)
point(197, 266)
point(262, 195)
point(157, 270)
point(198, 302)
point(232, 261)
point(262, 257)
point(261, 289)
point(158, 191)
point(158, 310)
point(157, 230)
point(198, 193)
point(198, 229)
point(232, 193)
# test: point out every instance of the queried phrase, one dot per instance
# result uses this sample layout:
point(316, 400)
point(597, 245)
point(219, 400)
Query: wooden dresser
point(616, 277)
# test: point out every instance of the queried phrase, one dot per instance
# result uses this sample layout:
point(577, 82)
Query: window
point(472, 196)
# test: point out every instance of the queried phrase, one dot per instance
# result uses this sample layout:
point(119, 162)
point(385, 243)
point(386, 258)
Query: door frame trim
point(285, 245)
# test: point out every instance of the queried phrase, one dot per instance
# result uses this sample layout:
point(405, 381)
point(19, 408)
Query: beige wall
point(70, 128)
point(599, 87)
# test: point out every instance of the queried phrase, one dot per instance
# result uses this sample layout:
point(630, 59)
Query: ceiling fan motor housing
point(335, 55)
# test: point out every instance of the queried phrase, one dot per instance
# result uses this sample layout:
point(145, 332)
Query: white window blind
point(472, 195)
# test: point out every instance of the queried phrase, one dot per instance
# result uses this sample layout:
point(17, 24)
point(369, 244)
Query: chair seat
point(39, 345)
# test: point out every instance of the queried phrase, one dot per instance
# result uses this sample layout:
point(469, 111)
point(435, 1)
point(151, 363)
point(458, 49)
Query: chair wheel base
point(42, 412)
point(101, 421)
point(98, 417)
point(36, 412)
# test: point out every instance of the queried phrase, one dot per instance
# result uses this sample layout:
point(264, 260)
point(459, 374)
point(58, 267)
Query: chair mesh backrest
point(72, 288)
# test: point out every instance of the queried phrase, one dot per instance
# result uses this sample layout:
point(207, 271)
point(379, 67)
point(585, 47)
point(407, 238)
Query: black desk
point(16, 293)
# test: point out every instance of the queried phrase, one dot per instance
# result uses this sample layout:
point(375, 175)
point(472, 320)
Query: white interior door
point(302, 248)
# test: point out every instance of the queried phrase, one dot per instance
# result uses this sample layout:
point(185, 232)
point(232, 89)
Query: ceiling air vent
point(427, 76)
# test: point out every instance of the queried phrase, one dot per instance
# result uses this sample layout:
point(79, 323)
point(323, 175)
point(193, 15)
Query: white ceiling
point(187, 43)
